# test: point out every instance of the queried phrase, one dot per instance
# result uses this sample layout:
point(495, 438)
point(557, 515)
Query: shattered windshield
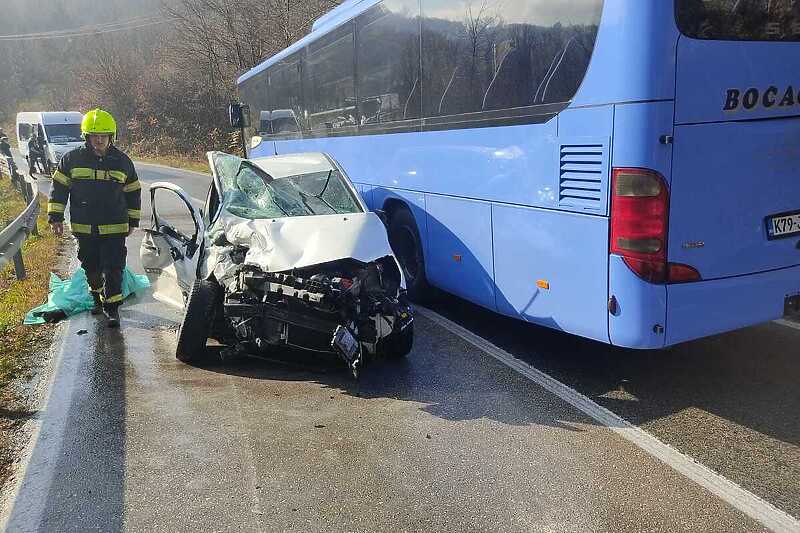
point(250, 192)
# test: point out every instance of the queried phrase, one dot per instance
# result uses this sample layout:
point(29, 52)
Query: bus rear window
point(740, 20)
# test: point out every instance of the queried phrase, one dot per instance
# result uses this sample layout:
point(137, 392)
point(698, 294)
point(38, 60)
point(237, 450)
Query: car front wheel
point(197, 320)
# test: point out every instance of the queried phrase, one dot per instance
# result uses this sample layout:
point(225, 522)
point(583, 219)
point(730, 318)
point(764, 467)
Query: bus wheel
point(407, 246)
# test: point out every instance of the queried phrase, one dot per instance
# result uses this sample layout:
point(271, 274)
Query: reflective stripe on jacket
point(104, 193)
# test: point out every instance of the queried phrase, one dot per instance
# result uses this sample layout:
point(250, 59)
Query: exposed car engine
point(345, 306)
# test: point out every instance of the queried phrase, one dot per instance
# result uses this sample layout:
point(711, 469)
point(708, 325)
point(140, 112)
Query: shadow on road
point(748, 376)
point(87, 406)
point(450, 380)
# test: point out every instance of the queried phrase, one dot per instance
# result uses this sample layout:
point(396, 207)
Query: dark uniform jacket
point(5, 149)
point(104, 193)
point(34, 147)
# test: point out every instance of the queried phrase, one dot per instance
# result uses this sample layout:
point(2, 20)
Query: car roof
point(281, 166)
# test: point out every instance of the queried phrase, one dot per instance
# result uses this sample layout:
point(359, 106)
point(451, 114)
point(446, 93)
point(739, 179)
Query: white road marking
point(728, 491)
point(37, 467)
point(787, 323)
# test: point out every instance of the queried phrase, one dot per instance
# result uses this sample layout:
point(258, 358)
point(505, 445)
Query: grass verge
point(11, 202)
point(22, 348)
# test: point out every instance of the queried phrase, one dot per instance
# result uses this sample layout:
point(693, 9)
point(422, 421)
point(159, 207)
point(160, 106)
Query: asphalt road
point(448, 439)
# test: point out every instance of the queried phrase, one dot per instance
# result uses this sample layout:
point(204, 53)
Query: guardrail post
point(29, 198)
point(19, 266)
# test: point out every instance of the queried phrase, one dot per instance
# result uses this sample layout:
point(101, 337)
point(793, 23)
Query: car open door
point(173, 245)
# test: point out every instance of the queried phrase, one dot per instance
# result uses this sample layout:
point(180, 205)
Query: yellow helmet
point(99, 122)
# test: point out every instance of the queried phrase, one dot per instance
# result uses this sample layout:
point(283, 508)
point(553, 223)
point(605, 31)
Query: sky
point(537, 12)
point(36, 16)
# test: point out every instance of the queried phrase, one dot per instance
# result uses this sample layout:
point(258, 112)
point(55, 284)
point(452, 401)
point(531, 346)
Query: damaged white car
point(284, 253)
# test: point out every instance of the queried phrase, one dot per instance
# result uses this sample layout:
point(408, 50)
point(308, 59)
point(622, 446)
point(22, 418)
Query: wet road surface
point(449, 438)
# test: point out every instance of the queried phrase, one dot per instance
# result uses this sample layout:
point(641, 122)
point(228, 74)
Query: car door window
point(172, 217)
point(211, 209)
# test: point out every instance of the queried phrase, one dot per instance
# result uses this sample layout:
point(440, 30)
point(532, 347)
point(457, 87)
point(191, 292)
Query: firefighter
point(35, 155)
point(5, 147)
point(104, 192)
point(5, 151)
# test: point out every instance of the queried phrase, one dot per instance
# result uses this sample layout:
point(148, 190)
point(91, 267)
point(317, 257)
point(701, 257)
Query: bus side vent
point(583, 175)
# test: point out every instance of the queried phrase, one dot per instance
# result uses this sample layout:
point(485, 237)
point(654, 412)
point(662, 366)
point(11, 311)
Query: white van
point(60, 130)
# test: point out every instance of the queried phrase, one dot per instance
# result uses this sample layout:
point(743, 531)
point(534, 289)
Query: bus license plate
point(785, 225)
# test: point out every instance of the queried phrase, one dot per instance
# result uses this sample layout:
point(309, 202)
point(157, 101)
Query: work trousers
point(36, 159)
point(103, 259)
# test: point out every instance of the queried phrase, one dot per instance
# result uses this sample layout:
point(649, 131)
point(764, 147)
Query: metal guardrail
point(13, 236)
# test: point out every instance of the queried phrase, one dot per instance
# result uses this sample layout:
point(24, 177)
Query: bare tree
point(168, 85)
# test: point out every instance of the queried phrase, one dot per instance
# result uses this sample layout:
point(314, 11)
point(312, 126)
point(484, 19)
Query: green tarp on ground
point(71, 296)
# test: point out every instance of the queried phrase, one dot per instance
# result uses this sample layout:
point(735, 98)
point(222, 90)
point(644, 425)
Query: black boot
point(112, 316)
point(98, 304)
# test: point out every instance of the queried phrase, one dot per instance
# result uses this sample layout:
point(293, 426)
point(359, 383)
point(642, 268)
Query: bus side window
point(328, 81)
point(504, 55)
point(388, 62)
point(285, 97)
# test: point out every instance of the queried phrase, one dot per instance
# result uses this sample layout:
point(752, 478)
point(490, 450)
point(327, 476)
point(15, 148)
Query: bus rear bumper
point(696, 310)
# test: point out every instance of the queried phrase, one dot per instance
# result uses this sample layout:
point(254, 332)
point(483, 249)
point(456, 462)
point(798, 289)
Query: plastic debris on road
point(71, 296)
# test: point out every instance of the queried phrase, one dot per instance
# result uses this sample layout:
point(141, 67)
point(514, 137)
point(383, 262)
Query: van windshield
point(63, 133)
point(740, 20)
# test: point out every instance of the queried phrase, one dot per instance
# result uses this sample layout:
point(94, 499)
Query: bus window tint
point(254, 93)
point(388, 62)
point(285, 88)
point(749, 20)
point(455, 63)
point(328, 81)
point(503, 54)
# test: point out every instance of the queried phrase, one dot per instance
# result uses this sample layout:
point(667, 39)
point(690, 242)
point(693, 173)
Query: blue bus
point(623, 170)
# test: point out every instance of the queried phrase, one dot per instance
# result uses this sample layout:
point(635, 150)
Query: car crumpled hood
point(282, 244)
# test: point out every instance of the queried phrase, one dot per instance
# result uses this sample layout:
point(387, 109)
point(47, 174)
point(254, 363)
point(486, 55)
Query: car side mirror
point(239, 115)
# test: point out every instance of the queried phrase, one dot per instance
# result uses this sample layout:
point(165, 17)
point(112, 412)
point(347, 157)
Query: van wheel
point(407, 246)
point(197, 320)
point(397, 344)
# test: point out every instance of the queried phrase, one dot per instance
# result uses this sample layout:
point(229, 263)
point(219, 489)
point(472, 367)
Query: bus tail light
point(639, 221)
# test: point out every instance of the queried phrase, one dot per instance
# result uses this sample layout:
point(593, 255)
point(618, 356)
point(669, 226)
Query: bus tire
point(407, 246)
point(197, 319)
